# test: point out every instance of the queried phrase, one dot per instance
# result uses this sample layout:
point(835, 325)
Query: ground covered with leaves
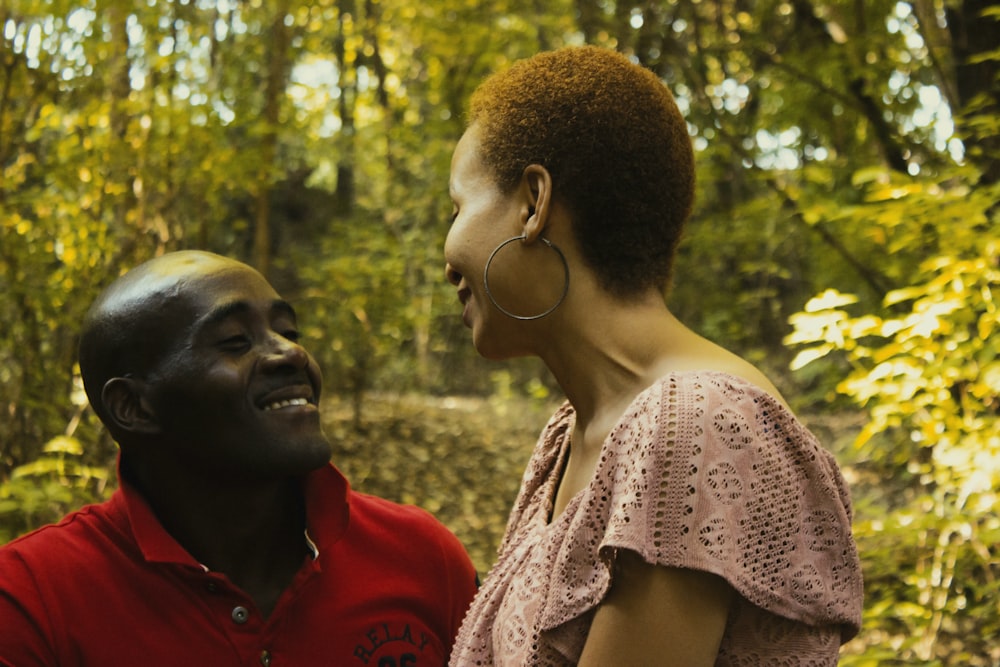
point(459, 458)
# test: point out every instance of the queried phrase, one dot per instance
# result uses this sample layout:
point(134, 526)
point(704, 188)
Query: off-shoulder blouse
point(703, 471)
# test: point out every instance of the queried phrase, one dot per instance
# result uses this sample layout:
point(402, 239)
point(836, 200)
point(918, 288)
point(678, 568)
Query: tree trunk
point(348, 93)
point(972, 36)
point(277, 80)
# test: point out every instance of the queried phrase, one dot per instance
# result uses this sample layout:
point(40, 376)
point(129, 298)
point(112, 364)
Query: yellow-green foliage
point(315, 138)
point(926, 367)
point(45, 489)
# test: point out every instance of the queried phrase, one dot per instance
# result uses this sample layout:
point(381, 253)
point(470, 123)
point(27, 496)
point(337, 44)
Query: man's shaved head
point(127, 329)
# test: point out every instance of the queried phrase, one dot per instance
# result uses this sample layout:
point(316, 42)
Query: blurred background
point(845, 239)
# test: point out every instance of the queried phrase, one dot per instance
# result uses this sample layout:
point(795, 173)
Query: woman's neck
point(607, 353)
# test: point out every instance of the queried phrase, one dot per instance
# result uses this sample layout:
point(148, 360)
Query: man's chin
point(316, 454)
point(298, 457)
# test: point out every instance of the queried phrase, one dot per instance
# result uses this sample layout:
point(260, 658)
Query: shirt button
point(240, 615)
point(212, 587)
point(265, 658)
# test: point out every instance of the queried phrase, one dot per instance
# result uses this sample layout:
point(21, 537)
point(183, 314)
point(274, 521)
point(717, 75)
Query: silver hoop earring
point(486, 279)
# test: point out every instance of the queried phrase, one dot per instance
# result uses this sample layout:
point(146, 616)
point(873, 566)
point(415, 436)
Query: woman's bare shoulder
point(700, 354)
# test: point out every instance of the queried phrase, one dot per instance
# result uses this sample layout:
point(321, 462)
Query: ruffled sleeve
point(708, 472)
point(539, 478)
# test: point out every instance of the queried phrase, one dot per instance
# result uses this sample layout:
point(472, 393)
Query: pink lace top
point(703, 471)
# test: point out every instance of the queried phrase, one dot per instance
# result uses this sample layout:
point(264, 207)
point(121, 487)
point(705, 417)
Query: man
point(231, 540)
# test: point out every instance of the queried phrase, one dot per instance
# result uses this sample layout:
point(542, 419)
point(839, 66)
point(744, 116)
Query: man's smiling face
point(234, 394)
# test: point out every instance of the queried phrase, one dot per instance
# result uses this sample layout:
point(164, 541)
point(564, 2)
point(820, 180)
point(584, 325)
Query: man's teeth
point(284, 404)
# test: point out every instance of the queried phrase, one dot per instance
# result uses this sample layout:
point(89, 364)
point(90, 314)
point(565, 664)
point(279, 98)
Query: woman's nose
point(453, 276)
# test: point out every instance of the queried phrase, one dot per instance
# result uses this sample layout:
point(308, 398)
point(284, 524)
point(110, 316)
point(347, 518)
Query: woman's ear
point(536, 182)
point(126, 405)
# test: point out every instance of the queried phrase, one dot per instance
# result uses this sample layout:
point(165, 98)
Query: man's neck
point(254, 533)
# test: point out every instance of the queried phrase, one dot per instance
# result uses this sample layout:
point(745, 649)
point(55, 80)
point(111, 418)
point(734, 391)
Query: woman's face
point(483, 217)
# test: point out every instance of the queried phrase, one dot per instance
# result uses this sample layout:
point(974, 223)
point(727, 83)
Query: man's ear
point(126, 405)
point(536, 183)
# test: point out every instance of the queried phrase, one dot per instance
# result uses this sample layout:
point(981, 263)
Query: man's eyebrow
point(236, 308)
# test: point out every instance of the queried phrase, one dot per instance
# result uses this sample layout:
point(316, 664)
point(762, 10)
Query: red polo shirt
point(108, 586)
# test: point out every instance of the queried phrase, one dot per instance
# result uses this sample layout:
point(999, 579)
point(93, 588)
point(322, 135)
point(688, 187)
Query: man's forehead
point(183, 286)
point(229, 292)
point(165, 273)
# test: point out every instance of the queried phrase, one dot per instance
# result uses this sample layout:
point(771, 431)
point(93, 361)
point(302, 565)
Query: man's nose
point(286, 352)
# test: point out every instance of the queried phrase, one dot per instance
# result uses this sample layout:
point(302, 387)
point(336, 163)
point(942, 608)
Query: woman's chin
point(497, 350)
point(485, 345)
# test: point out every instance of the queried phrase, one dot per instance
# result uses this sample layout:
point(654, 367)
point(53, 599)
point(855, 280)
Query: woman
point(674, 511)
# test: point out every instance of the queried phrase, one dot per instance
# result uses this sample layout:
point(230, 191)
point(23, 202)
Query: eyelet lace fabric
point(703, 471)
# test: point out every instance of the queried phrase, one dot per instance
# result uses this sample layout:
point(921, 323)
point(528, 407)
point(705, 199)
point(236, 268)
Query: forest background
point(845, 239)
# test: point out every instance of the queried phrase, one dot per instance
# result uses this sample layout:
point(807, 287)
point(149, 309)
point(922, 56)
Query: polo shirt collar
point(327, 507)
point(327, 514)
